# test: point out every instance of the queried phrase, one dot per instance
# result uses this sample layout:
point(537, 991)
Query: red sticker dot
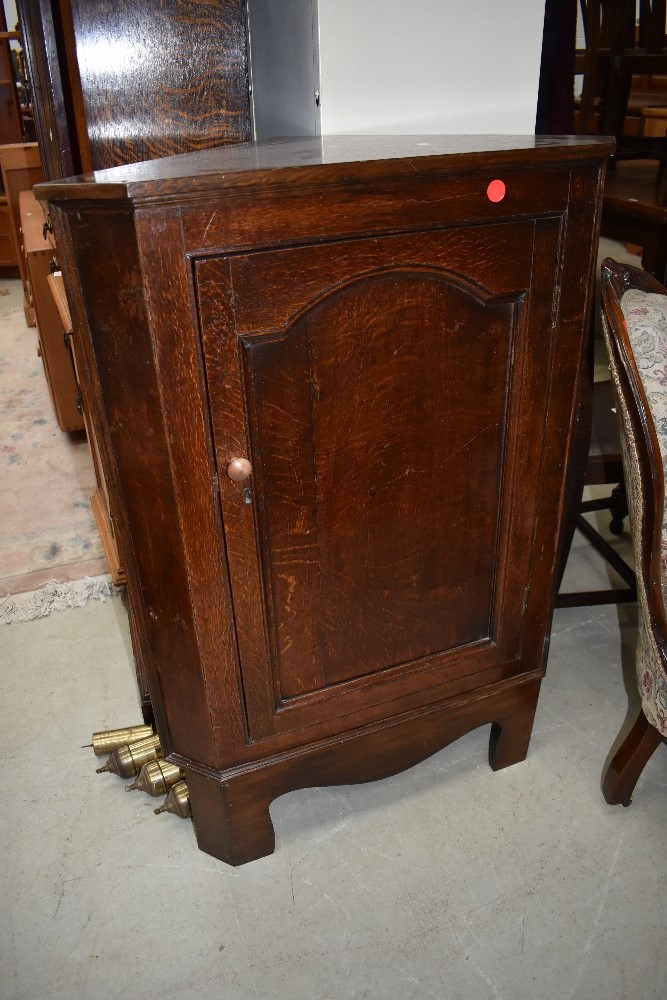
point(496, 191)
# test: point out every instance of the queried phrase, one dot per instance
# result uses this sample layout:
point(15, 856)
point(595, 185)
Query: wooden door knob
point(239, 469)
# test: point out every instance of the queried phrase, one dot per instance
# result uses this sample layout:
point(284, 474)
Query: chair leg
point(629, 761)
point(618, 507)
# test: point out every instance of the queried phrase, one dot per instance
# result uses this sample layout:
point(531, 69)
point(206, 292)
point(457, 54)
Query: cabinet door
point(390, 395)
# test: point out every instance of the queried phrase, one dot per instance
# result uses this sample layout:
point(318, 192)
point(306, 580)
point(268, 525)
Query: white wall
point(441, 66)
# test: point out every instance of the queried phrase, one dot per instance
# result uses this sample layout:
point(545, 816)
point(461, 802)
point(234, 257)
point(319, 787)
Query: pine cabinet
point(335, 384)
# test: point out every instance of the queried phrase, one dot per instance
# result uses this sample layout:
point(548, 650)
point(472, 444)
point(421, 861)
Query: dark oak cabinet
point(335, 384)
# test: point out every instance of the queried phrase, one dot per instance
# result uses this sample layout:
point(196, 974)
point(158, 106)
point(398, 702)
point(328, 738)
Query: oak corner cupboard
point(334, 382)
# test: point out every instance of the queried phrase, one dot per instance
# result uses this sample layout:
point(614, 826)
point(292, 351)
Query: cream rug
point(47, 529)
point(55, 597)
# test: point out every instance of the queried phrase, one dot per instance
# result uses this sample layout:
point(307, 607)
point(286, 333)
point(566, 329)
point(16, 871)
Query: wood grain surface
point(161, 77)
point(400, 360)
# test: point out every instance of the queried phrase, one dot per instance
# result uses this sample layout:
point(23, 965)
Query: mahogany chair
point(603, 466)
point(599, 21)
point(615, 51)
point(633, 52)
point(635, 326)
point(634, 211)
point(635, 201)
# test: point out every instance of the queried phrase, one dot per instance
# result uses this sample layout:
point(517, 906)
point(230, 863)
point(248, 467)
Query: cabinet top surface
point(313, 159)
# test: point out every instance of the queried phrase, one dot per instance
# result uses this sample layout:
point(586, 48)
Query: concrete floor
point(447, 881)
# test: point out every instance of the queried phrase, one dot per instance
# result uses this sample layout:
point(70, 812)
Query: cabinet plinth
point(336, 387)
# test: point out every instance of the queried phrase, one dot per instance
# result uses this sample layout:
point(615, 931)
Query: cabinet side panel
point(571, 374)
point(100, 252)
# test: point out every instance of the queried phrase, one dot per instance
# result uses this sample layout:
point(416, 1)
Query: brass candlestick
point(156, 778)
point(177, 802)
point(127, 760)
point(106, 741)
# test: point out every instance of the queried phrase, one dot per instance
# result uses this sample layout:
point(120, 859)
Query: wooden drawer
point(7, 252)
point(21, 169)
point(56, 356)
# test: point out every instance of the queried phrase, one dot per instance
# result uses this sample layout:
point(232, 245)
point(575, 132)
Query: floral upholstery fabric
point(645, 316)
